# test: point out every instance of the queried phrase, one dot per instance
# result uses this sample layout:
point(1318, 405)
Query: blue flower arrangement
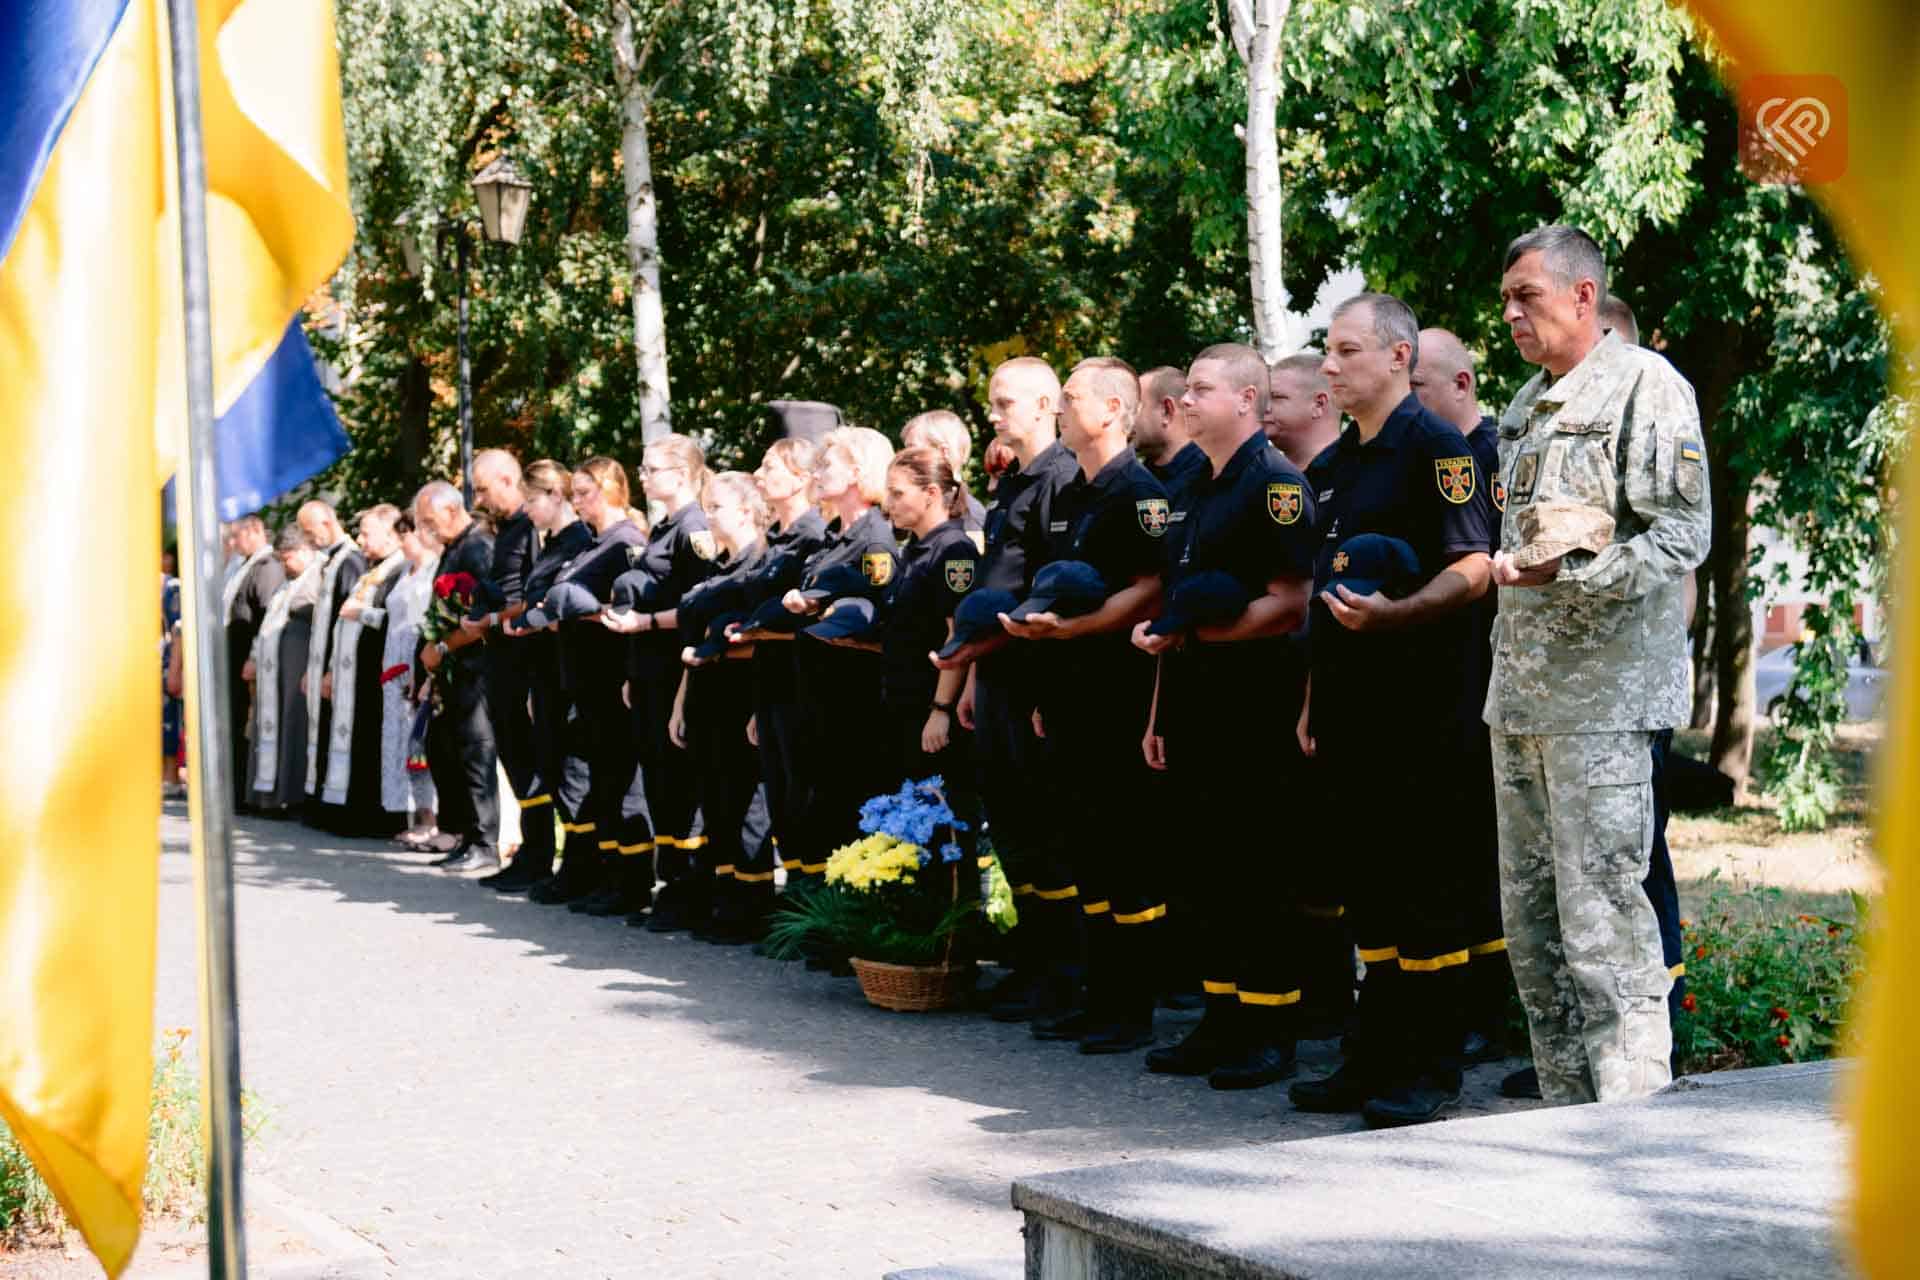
point(916, 813)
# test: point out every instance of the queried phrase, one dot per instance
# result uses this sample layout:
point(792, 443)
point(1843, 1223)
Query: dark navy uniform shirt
point(1018, 501)
point(1485, 443)
point(1255, 522)
point(513, 555)
point(936, 573)
point(539, 649)
point(1417, 481)
point(869, 546)
point(1181, 472)
point(1116, 522)
point(589, 653)
point(788, 552)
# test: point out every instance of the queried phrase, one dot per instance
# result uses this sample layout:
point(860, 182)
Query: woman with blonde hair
point(679, 554)
point(839, 687)
point(591, 668)
point(709, 720)
point(945, 431)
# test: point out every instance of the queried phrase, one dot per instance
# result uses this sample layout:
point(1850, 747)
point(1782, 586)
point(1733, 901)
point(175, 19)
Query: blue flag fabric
point(47, 51)
point(279, 432)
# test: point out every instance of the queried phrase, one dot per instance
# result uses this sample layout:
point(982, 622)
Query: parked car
point(1866, 681)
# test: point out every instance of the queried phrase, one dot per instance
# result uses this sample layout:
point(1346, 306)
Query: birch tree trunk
point(1256, 35)
point(643, 230)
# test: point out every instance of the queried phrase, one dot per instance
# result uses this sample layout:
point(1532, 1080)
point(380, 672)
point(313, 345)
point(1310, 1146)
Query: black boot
point(1212, 1041)
point(1347, 1090)
point(579, 875)
point(1426, 1097)
point(627, 890)
point(1266, 1054)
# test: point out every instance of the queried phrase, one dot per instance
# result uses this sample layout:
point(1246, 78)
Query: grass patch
point(176, 1164)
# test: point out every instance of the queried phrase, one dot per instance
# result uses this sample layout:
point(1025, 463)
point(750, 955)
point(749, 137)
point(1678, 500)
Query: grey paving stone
point(498, 1088)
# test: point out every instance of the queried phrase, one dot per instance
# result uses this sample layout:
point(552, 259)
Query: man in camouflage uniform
point(1604, 470)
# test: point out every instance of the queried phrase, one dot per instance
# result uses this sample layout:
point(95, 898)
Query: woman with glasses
point(679, 554)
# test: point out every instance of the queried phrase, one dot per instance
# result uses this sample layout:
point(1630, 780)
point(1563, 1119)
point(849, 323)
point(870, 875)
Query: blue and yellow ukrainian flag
point(1873, 48)
point(92, 407)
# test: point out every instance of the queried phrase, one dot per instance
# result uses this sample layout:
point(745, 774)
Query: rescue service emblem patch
point(1283, 503)
point(1340, 561)
point(959, 576)
point(1500, 495)
point(703, 544)
point(878, 566)
point(1455, 476)
point(1154, 515)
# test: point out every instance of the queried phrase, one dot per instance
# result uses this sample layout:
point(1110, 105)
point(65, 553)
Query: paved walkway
point(487, 1088)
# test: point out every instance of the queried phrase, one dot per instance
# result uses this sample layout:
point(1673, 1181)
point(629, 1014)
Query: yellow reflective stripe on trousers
point(1058, 895)
point(1096, 908)
point(694, 842)
point(1024, 888)
point(534, 802)
point(1219, 988)
point(1489, 948)
point(1678, 971)
point(1324, 913)
point(1446, 961)
point(1375, 955)
point(1140, 917)
point(609, 844)
point(813, 868)
point(577, 828)
point(630, 849)
point(790, 864)
point(753, 877)
point(724, 871)
point(1268, 998)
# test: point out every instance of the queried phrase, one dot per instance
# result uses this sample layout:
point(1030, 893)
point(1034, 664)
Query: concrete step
point(986, 1269)
point(1737, 1174)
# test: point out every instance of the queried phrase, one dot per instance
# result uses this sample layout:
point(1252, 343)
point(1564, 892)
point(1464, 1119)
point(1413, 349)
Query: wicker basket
point(913, 988)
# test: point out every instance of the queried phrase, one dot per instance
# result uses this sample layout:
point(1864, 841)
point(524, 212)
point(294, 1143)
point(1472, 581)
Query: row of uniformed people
point(1125, 669)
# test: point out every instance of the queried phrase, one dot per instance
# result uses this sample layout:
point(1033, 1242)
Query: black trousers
point(1241, 851)
point(849, 760)
point(509, 708)
point(777, 726)
point(666, 771)
point(240, 708)
point(1094, 711)
point(1659, 884)
point(464, 764)
point(1412, 864)
point(560, 750)
point(1009, 763)
point(726, 769)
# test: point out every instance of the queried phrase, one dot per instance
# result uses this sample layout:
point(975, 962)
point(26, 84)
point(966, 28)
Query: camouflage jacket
point(1602, 648)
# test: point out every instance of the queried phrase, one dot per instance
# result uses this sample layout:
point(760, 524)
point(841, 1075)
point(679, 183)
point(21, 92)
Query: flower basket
point(913, 988)
point(894, 903)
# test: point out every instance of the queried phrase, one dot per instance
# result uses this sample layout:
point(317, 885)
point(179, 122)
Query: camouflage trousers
point(1576, 832)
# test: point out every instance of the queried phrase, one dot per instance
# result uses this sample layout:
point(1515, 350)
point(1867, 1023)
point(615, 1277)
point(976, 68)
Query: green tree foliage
point(869, 204)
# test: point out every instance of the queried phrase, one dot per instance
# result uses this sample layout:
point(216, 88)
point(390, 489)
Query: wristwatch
point(945, 708)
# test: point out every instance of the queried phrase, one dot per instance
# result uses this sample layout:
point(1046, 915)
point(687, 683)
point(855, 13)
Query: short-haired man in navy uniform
point(1446, 382)
point(1249, 518)
point(1093, 695)
point(1385, 712)
point(1023, 397)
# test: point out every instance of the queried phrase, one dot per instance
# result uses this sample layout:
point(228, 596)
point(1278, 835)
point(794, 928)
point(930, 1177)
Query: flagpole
point(211, 781)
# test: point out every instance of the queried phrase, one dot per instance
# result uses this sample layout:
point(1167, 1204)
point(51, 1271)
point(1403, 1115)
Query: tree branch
point(1240, 18)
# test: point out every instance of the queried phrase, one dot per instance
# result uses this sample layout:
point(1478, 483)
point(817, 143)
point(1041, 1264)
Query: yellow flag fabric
point(1873, 48)
point(90, 379)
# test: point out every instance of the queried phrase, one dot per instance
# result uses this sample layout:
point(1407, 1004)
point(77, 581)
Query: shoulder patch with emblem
point(703, 544)
point(959, 576)
point(1154, 515)
point(1690, 472)
point(1455, 478)
point(878, 566)
point(1499, 495)
point(1284, 502)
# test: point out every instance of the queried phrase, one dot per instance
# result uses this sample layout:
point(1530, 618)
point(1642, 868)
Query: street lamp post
point(504, 197)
